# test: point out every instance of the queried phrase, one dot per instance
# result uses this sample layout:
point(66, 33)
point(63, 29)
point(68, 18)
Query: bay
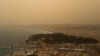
point(15, 35)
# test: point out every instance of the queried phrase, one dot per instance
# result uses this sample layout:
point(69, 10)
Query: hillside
point(92, 31)
point(61, 38)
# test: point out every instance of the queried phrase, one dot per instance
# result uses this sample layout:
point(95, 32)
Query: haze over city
point(49, 27)
point(26, 12)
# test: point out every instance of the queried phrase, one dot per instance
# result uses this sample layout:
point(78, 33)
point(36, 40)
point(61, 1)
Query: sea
point(14, 36)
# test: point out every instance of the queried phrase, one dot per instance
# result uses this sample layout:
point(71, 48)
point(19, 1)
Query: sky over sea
point(26, 12)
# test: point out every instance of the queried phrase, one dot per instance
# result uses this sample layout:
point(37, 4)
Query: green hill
point(61, 38)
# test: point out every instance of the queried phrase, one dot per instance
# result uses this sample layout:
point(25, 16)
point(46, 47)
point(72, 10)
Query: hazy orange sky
point(26, 12)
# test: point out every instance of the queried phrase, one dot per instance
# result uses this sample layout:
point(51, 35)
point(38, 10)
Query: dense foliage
point(61, 38)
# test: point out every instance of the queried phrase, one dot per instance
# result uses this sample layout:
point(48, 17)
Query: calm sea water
point(12, 35)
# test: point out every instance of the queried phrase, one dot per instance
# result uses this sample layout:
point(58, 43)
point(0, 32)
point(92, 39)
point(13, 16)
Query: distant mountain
point(61, 38)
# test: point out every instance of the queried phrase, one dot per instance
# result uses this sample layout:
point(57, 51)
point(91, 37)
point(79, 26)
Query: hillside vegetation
point(61, 38)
